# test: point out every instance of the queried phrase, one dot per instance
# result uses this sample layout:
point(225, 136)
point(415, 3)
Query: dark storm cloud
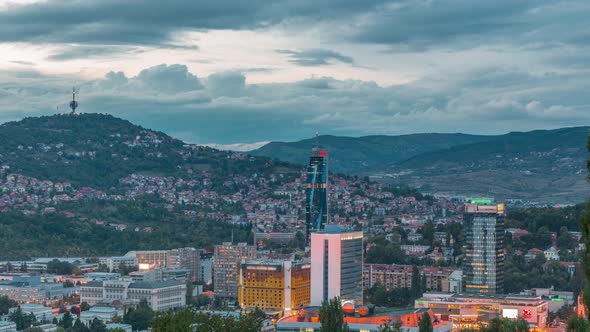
point(316, 57)
point(154, 22)
point(466, 23)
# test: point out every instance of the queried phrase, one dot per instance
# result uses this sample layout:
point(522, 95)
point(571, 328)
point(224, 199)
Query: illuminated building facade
point(483, 262)
point(316, 198)
point(274, 284)
point(150, 259)
point(473, 311)
point(226, 260)
point(360, 319)
point(336, 265)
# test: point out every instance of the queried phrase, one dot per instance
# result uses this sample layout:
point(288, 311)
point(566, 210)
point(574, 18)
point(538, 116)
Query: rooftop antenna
point(316, 146)
point(73, 103)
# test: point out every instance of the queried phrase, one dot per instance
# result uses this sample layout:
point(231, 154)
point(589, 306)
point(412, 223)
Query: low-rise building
point(160, 295)
point(102, 313)
point(472, 311)
point(7, 326)
point(119, 326)
point(41, 312)
point(361, 319)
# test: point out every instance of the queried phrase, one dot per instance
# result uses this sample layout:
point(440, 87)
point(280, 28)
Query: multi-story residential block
point(400, 276)
point(149, 259)
point(226, 260)
point(187, 259)
point(274, 284)
point(115, 263)
point(206, 266)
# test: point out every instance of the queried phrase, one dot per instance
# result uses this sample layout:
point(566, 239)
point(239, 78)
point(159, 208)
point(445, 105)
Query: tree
point(33, 329)
point(21, 319)
point(139, 318)
point(416, 284)
point(578, 324)
point(66, 321)
point(391, 326)
point(506, 325)
point(97, 326)
point(84, 306)
point(425, 324)
point(79, 326)
point(180, 321)
point(189, 292)
point(332, 316)
point(5, 304)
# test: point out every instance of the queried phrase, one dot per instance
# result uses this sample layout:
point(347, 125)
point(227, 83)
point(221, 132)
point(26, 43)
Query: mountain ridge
point(545, 164)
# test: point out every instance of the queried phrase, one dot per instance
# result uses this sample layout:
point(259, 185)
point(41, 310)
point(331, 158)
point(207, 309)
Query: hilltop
point(543, 165)
point(97, 150)
point(94, 184)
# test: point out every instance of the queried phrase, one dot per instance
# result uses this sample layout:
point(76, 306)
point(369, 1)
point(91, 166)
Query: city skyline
point(228, 72)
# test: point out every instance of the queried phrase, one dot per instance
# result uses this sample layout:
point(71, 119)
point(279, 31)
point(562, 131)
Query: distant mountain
point(544, 165)
point(357, 155)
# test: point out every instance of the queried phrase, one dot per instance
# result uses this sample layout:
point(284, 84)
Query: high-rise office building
point(226, 260)
point(274, 284)
point(336, 265)
point(316, 199)
point(483, 262)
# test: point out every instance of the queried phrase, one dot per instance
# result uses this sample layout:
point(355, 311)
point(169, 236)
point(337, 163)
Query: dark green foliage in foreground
point(332, 316)
point(182, 321)
point(5, 304)
point(577, 324)
point(140, 317)
point(425, 324)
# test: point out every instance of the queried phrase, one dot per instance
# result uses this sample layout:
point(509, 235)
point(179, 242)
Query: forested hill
point(97, 150)
point(93, 184)
point(361, 154)
point(544, 165)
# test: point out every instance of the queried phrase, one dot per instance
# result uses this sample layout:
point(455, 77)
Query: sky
point(240, 73)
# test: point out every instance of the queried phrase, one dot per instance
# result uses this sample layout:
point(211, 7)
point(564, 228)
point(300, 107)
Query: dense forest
point(23, 237)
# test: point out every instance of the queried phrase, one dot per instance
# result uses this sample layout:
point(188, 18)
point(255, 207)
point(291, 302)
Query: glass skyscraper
point(316, 203)
point(483, 262)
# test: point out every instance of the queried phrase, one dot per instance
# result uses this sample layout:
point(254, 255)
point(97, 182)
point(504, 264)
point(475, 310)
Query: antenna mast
point(316, 146)
point(73, 103)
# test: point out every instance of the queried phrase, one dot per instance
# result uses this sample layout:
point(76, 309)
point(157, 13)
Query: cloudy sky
point(242, 72)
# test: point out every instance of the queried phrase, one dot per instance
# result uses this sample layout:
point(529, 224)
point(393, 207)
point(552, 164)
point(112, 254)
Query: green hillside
point(356, 155)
